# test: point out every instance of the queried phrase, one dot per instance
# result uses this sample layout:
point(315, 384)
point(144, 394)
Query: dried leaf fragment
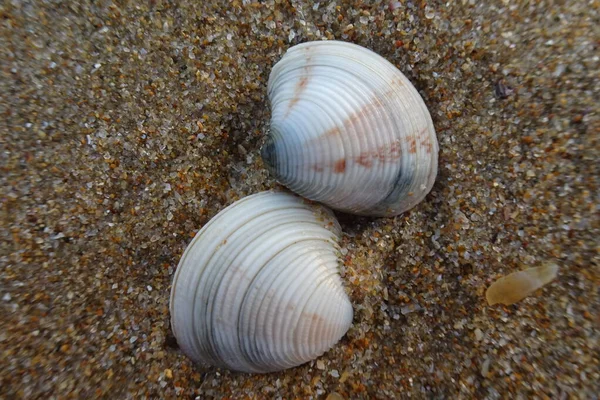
point(518, 285)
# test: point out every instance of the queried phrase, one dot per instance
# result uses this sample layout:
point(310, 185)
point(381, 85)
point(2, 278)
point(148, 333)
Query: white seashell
point(349, 130)
point(258, 289)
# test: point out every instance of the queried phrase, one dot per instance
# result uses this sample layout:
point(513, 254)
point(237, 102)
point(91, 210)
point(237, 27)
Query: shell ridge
point(243, 260)
point(356, 129)
point(229, 263)
point(197, 273)
point(314, 334)
point(213, 269)
point(251, 348)
point(389, 158)
point(239, 270)
point(250, 286)
point(321, 271)
point(276, 314)
point(297, 339)
point(208, 268)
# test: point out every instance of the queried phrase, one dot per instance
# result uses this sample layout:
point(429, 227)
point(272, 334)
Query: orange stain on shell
point(426, 143)
point(412, 143)
point(384, 154)
point(339, 166)
point(332, 132)
point(302, 82)
point(364, 160)
point(300, 86)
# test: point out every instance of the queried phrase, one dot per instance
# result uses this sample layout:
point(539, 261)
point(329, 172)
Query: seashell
point(516, 286)
point(258, 289)
point(349, 130)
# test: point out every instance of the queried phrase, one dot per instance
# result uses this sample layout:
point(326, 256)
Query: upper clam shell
point(258, 288)
point(348, 129)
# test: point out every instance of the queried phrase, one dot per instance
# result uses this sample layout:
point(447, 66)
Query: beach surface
point(125, 126)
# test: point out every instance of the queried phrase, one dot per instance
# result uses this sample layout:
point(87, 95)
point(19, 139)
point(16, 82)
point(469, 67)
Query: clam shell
point(258, 289)
point(349, 130)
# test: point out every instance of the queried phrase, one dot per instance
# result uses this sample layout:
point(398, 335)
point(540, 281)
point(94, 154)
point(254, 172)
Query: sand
point(126, 126)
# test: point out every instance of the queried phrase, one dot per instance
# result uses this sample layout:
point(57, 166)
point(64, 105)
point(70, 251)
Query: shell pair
point(258, 289)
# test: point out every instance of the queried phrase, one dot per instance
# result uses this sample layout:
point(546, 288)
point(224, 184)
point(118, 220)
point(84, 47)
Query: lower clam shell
point(349, 130)
point(258, 288)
